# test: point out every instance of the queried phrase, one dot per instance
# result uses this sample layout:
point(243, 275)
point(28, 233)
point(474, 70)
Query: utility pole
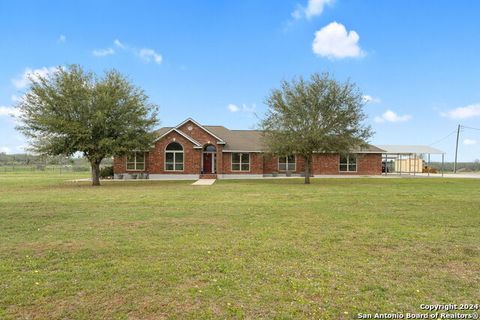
point(456, 150)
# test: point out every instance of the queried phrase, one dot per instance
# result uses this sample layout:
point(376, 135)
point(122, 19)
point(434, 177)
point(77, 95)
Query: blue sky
point(216, 61)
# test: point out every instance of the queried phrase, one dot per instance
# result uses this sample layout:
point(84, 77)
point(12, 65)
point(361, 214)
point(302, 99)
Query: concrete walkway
point(204, 182)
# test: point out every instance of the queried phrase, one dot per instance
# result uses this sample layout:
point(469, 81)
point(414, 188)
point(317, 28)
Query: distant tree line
point(462, 166)
point(39, 162)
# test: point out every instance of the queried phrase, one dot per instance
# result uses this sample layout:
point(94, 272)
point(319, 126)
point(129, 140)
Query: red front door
point(207, 163)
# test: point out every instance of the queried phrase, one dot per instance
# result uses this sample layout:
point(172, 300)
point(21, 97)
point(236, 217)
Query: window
point(240, 161)
point(348, 163)
point(136, 161)
point(209, 148)
point(174, 157)
point(287, 163)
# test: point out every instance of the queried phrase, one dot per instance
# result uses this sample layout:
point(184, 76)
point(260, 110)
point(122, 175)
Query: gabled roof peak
point(195, 142)
point(220, 140)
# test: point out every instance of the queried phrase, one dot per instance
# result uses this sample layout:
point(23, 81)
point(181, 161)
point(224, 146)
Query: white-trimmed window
point(136, 161)
point(240, 161)
point(174, 157)
point(287, 163)
point(348, 163)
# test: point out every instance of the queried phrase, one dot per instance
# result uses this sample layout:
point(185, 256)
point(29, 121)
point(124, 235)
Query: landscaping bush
point(106, 172)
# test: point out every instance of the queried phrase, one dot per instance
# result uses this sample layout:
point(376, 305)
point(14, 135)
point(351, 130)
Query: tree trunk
point(307, 169)
point(95, 173)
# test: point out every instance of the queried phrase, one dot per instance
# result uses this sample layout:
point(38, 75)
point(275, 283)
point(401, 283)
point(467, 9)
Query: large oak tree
point(319, 115)
point(73, 111)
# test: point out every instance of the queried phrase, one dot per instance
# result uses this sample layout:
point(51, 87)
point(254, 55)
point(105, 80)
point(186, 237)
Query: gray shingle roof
point(249, 140)
point(369, 149)
point(239, 140)
point(163, 130)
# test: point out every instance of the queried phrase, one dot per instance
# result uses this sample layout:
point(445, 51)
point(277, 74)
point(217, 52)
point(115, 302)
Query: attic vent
point(189, 128)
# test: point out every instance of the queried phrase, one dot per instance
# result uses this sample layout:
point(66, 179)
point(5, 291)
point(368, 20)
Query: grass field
point(237, 249)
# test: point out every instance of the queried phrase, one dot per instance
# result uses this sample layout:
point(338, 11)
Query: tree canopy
point(319, 115)
point(74, 111)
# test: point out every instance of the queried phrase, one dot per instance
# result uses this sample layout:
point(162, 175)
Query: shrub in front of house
point(106, 172)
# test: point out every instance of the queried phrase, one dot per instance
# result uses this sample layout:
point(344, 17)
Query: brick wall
point(271, 165)
point(204, 138)
point(198, 134)
point(327, 163)
point(367, 164)
point(370, 163)
point(191, 156)
point(119, 165)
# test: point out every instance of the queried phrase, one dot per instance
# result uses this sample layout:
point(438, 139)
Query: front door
point(207, 163)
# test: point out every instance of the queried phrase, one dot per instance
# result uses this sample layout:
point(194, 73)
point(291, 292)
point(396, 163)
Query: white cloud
point(120, 45)
point(314, 8)
point(469, 141)
point(9, 111)
point(244, 108)
point(62, 38)
point(22, 148)
point(103, 52)
point(333, 41)
point(469, 111)
point(23, 81)
point(391, 116)
point(249, 109)
point(150, 55)
point(298, 13)
point(109, 51)
point(5, 150)
point(18, 149)
point(146, 54)
point(370, 99)
point(15, 98)
point(233, 107)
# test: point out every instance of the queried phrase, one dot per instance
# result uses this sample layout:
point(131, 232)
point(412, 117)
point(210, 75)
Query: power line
point(466, 127)
point(440, 140)
point(453, 132)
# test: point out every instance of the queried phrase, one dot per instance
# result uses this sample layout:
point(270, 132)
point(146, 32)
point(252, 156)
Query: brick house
point(191, 150)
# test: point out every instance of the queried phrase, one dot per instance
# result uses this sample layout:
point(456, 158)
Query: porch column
point(415, 164)
point(386, 164)
point(443, 162)
point(428, 166)
point(219, 164)
point(400, 162)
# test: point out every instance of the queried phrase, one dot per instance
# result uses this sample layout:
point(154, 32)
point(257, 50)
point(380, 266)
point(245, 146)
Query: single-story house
point(191, 151)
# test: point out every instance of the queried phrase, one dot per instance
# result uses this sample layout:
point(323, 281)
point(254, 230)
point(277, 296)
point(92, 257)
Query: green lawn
point(237, 249)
